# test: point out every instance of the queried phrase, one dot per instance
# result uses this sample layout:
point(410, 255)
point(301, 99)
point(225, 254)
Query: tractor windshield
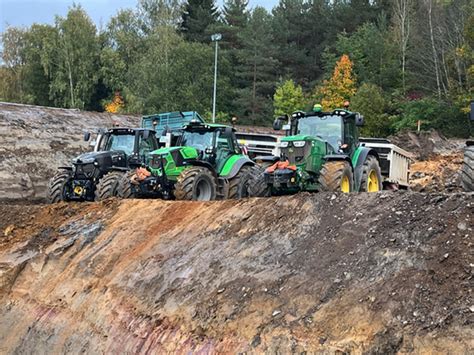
point(124, 142)
point(328, 128)
point(197, 139)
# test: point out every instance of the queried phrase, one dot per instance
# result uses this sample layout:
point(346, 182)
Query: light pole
point(216, 37)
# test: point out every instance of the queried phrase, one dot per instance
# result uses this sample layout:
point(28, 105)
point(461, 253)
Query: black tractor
point(96, 175)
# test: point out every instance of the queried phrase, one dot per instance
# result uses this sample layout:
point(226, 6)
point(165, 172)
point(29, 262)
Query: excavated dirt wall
point(328, 273)
point(35, 140)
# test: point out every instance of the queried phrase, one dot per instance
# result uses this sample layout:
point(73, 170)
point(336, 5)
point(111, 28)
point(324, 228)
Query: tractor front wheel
point(196, 183)
point(336, 176)
point(108, 185)
point(57, 185)
point(371, 175)
point(125, 188)
point(467, 171)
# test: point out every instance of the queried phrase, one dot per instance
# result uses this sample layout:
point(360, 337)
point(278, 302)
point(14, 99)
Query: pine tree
point(197, 19)
point(258, 67)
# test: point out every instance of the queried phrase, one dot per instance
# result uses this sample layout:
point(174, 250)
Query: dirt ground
point(324, 273)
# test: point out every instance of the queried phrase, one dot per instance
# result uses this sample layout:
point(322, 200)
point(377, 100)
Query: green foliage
point(434, 114)
point(197, 19)
point(369, 101)
point(288, 98)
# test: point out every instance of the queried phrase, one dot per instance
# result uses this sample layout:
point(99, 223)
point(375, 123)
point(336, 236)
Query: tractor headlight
point(283, 144)
point(299, 144)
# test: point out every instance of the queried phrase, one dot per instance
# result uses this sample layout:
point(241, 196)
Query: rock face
point(35, 140)
point(324, 273)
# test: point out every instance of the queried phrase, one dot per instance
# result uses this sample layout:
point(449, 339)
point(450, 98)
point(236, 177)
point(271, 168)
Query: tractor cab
point(214, 143)
point(134, 144)
point(338, 128)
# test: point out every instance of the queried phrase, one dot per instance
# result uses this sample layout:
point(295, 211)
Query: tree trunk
point(435, 56)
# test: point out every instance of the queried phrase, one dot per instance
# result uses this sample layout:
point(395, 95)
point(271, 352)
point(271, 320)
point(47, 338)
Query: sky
point(27, 12)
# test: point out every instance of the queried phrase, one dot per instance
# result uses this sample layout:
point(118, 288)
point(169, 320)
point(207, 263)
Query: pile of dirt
point(35, 140)
point(437, 173)
point(323, 273)
point(426, 144)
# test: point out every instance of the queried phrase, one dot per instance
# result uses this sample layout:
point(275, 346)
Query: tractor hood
point(109, 156)
point(299, 137)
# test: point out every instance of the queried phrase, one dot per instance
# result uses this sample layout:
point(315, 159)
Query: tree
point(198, 16)
point(288, 98)
point(75, 74)
point(340, 87)
point(369, 101)
point(13, 55)
point(402, 20)
point(258, 67)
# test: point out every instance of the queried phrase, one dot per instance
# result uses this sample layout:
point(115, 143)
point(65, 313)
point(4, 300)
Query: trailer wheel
point(57, 185)
point(196, 183)
point(371, 175)
point(467, 171)
point(108, 185)
point(336, 176)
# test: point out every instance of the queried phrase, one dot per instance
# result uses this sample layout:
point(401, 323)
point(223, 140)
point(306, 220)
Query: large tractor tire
point(257, 185)
point(125, 189)
point(108, 186)
point(239, 184)
point(467, 171)
point(371, 175)
point(196, 183)
point(56, 186)
point(336, 176)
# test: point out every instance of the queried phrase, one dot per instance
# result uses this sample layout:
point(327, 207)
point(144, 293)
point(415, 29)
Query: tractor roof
point(205, 126)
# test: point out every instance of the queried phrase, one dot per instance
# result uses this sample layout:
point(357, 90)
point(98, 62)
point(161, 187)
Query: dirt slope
point(319, 273)
point(35, 140)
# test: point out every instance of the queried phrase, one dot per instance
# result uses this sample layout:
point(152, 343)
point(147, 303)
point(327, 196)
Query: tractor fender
point(203, 164)
point(332, 157)
point(237, 165)
point(358, 160)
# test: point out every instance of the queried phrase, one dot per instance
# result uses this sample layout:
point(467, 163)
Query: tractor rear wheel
point(196, 183)
point(336, 176)
point(108, 185)
point(239, 184)
point(467, 171)
point(371, 175)
point(125, 188)
point(56, 186)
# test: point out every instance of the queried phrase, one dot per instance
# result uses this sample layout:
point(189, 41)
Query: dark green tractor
point(321, 152)
point(207, 164)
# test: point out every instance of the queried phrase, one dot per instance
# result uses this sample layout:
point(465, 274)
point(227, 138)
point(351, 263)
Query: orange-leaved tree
point(340, 87)
point(116, 104)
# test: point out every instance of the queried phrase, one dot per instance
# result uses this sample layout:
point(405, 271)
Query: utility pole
point(216, 37)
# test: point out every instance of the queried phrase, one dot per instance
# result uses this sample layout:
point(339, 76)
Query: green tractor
point(207, 164)
point(321, 152)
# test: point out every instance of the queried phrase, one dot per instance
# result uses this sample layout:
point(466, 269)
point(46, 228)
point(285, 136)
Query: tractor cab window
point(328, 128)
point(115, 142)
point(197, 139)
point(145, 146)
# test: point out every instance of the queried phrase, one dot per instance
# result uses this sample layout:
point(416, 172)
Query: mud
point(35, 140)
point(324, 273)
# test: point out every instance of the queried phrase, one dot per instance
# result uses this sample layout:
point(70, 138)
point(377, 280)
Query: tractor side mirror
point(359, 120)
point(278, 123)
point(471, 114)
point(87, 136)
point(146, 134)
